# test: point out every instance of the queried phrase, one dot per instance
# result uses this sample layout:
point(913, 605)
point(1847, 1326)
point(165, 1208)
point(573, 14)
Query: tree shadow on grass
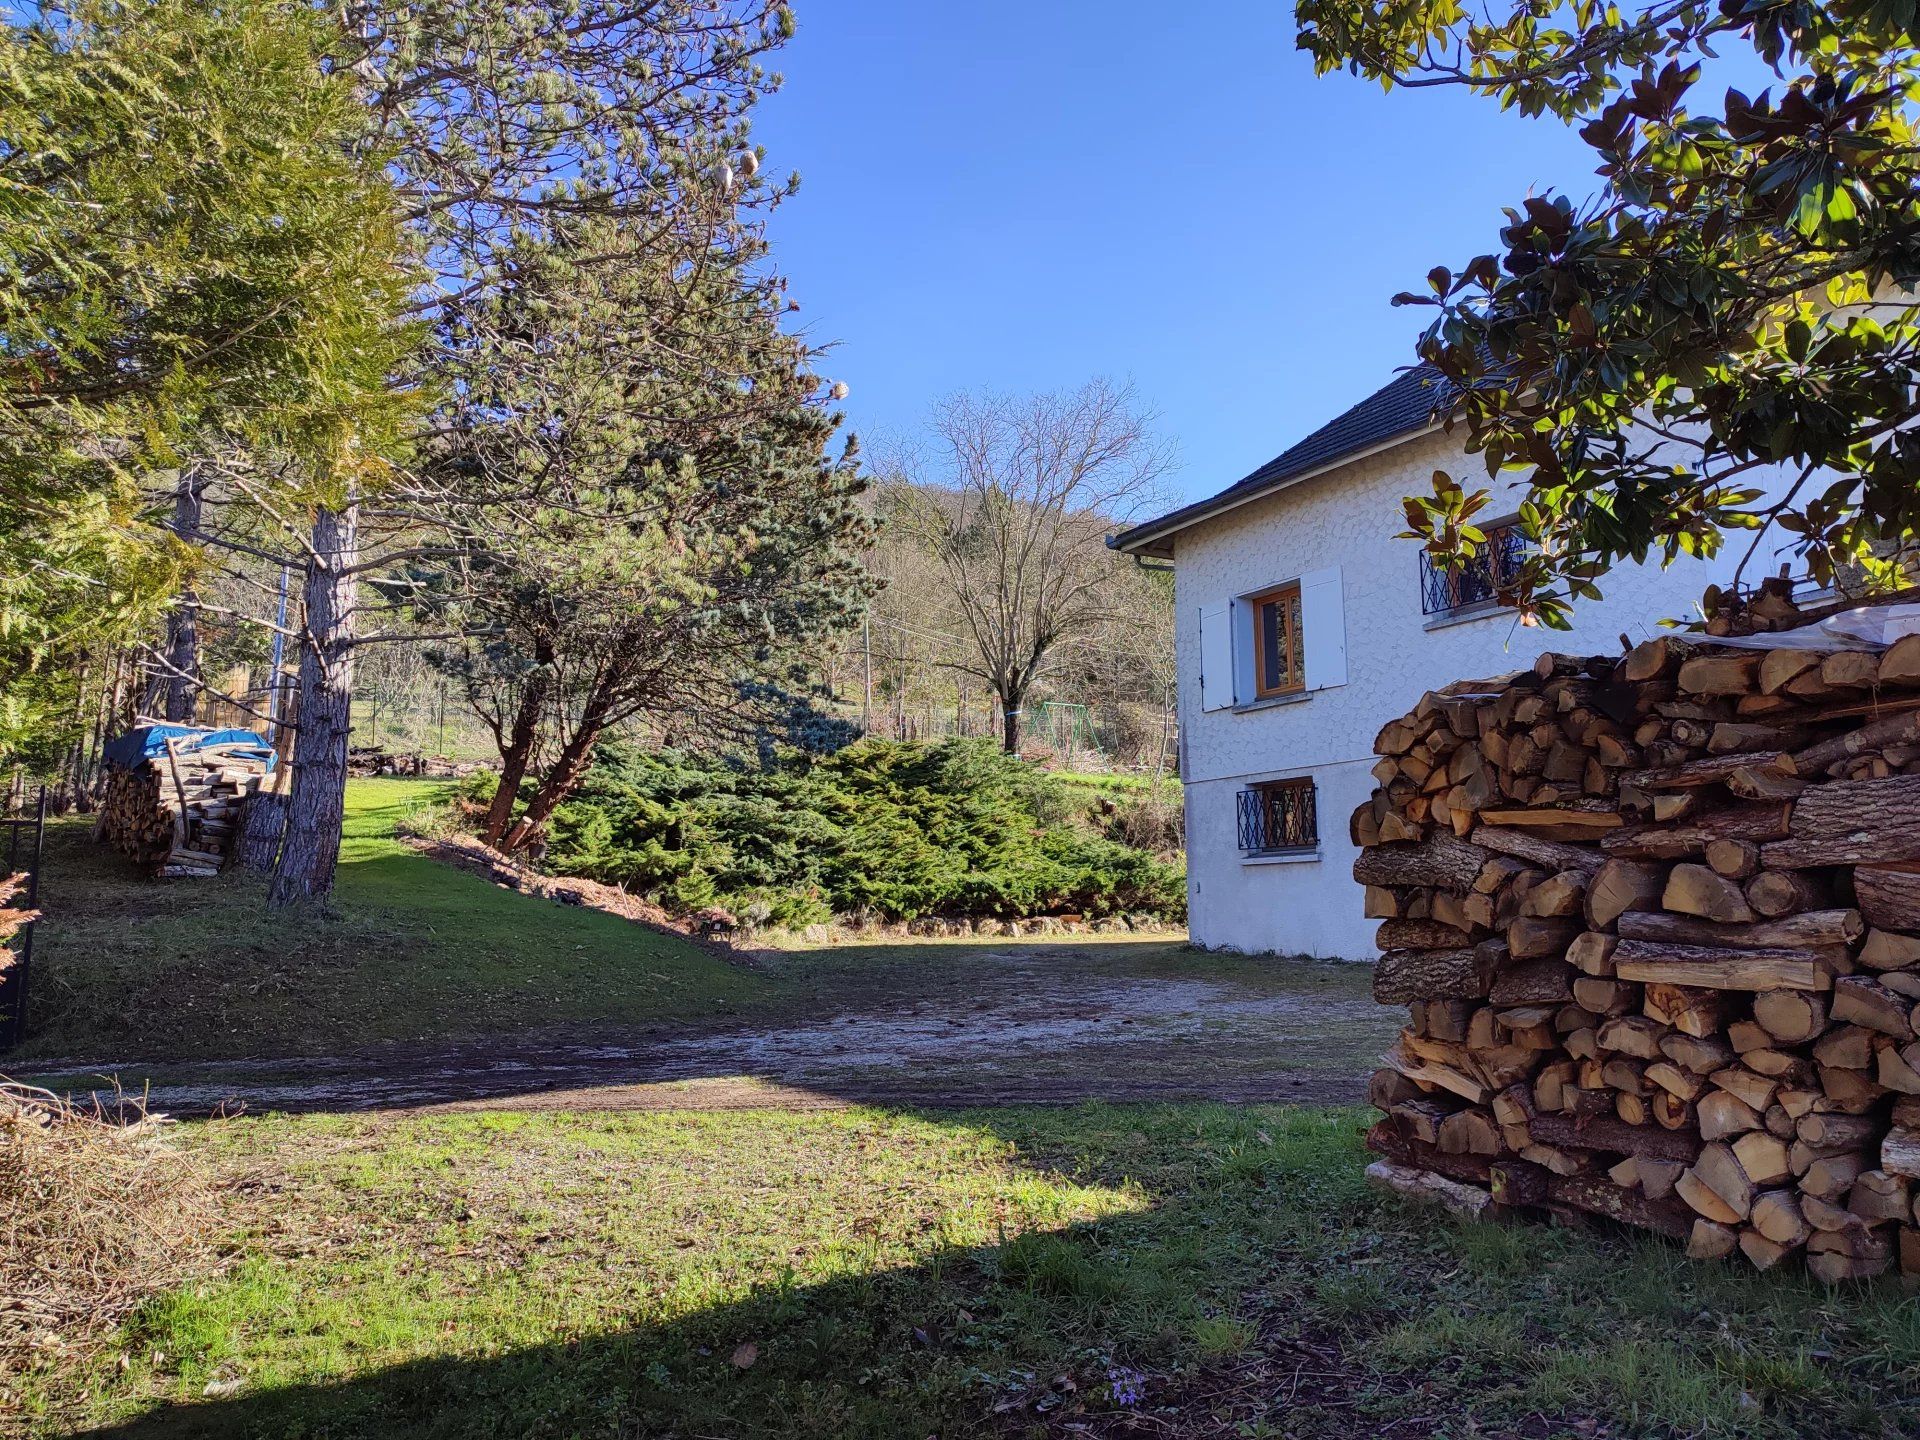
point(1261, 1289)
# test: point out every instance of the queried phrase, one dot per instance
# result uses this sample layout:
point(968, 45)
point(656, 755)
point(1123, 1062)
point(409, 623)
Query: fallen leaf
point(744, 1354)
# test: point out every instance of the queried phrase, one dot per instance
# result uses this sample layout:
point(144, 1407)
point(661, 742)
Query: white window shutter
point(1323, 623)
point(1216, 657)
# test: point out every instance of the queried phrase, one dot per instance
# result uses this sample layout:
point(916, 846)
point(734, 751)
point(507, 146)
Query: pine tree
point(503, 122)
point(682, 534)
point(188, 245)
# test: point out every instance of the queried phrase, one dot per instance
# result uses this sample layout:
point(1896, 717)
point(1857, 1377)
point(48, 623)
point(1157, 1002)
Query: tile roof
point(1405, 404)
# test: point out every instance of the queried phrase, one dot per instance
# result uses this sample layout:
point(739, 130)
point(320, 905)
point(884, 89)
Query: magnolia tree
point(1735, 301)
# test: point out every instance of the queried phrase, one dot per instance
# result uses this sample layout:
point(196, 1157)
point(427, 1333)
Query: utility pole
point(274, 718)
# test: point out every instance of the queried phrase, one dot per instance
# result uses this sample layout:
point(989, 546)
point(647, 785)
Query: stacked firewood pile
point(1656, 920)
point(177, 813)
point(372, 760)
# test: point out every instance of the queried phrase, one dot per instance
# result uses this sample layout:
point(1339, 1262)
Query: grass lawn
point(1119, 784)
point(410, 948)
point(1170, 1270)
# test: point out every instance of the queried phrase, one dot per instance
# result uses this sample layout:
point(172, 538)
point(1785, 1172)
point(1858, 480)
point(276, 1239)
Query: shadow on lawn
point(1044, 1332)
point(1264, 1292)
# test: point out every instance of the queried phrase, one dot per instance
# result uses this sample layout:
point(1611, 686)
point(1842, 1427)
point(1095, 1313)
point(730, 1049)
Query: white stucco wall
point(1347, 518)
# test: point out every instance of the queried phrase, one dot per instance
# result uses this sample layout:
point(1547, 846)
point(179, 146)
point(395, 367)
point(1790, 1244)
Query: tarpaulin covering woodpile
point(174, 796)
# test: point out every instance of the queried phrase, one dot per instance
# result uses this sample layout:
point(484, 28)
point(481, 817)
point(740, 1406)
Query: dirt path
point(1028, 1024)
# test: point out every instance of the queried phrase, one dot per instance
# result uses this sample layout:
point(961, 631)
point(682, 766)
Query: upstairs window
point(1493, 567)
point(1279, 657)
point(1276, 642)
point(1278, 816)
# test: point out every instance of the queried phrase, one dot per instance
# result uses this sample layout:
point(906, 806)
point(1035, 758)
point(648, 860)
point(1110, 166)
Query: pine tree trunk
point(517, 754)
point(265, 822)
point(561, 780)
point(183, 622)
point(311, 848)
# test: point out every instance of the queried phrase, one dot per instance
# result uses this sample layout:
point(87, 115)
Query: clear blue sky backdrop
point(1020, 196)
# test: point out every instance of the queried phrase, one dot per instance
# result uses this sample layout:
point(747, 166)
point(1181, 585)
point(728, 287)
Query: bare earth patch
point(956, 1025)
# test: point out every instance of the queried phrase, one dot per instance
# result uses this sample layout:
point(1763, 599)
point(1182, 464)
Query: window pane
point(1272, 662)
point(1296, 665)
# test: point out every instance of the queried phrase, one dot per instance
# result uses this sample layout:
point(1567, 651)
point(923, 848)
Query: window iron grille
point(1278, 817)
point(1494, 565)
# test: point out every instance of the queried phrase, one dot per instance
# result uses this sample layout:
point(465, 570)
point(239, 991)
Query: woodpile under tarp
point(1656, 921)
point(176, 811)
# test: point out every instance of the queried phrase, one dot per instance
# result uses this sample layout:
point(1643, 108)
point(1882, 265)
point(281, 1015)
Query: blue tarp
point(138, 746)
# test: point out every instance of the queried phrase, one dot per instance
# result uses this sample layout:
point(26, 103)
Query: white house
point(1303, 626)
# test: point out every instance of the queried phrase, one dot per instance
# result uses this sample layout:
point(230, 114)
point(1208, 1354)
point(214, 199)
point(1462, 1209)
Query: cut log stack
point(1656, 922)
point(177, 813)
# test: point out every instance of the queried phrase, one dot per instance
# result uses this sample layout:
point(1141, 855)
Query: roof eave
point(1155, 537)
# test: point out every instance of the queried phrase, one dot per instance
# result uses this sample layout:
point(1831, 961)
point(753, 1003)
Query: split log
point(1696, 890)
point(1710, 1240)
point(1886, 950)
point(1443, 861)
point(1603, 1133)
point(1764, 1157)
point(1776, 893)
point(1722, 967)
point(1777, 1215)
point(1469, 1201)
point(1888, 897)
point(1592, 953)
point(1620, 886)
point(1760, 821)
point(1735, 859)
point(1813, 930)
point(1721, 675)
point(1547, 854)
point(1850, 822)
point(1900, 1152)
point(1685, 1008)
point(1530, 938)
point(1792, 1017)
point(1419, 935)
point(1859, 1000)
point(1877, 1196)
point(1460, 974)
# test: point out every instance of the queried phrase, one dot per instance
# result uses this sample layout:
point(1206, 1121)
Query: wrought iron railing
point(1494, 565)
point(1278, 817)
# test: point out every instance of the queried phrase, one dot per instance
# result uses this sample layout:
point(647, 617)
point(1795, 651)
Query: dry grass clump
point(98, 1210)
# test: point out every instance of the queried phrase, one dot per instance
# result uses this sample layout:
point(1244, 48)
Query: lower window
point(1278, 815)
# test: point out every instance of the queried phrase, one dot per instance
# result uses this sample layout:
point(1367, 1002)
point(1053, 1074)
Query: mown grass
point(1122, 783)
point(873, 1274)
point(409, 948)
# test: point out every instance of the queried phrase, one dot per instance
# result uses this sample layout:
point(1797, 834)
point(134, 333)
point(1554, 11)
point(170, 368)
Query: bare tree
point(1019, 519)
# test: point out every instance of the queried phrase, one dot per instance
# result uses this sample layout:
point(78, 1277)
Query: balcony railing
point(1494, 565)
point(1278, 817)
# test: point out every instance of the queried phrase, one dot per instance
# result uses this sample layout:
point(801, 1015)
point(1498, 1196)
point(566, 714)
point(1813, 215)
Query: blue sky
point(1020, 196)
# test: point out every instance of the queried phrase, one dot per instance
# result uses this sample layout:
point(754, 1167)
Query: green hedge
point(883, 829)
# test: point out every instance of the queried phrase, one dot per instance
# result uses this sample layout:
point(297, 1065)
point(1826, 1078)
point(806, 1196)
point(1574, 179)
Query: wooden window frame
point(1293, 655)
